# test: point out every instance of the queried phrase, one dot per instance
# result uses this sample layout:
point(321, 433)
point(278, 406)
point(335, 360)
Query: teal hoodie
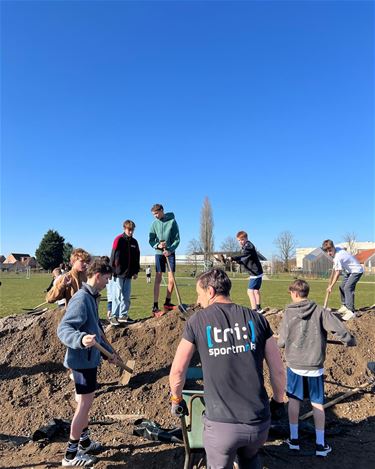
point(165, 229)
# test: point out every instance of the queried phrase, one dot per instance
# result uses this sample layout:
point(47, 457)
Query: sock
point(258, 307)
point(156, 305)
point(293, 431)
point(167, 301)
point(319, 437)
point(84, 439)
point(72, 449)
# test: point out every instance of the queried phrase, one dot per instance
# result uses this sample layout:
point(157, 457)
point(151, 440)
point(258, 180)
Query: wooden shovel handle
point(174, 281)
point(105, 352)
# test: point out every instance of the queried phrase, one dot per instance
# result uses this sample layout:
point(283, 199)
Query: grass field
point(17, 292)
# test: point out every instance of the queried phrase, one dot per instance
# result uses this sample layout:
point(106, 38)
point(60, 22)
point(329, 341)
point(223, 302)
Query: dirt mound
point(36, 388)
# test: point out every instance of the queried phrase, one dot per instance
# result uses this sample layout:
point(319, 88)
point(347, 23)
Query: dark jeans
point(347, 288)
point(224, 441)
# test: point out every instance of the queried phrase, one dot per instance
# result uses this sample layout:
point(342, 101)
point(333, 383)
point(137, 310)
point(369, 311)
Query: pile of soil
point(35, 388)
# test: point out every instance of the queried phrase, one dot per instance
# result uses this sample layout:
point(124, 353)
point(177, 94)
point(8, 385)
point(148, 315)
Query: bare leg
point(252, 298)
point(158, 276)
point(81, 415)
point(319, 416)
point(257, 297)
point(170, 285)
point(293, 411)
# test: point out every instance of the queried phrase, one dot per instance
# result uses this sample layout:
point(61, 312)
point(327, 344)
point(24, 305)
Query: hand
point(88, 340)
point(162, 245)
point(277, 409)
point(67, 280)
point(166, 253)
point(115, 359)
point(135, 276)
point(329, 289)
point(180, 409)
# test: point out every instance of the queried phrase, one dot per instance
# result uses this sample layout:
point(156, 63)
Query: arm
point(174, 237)
point(276, 367)
point(332, 324)
point(283, 332)
point(181, 361)
point(247, 253)
point(57, 292)
point(152, 238)
point(334, 279)
point(68, 330)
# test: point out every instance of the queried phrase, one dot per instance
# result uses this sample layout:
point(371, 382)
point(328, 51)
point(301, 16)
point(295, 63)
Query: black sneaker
point(126, 320)
point(169, 306)
point(322, 450)
point(293, 444)
point(260, 311)
point(114, 321)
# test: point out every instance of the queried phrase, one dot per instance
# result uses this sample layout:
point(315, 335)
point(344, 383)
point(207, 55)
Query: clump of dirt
point(35, 388)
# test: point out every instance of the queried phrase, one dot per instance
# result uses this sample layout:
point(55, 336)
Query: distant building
point(367, 259)
point(317, 263)
point(18, 262)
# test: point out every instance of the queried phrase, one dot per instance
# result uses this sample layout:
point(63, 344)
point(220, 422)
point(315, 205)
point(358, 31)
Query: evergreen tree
point(68, 248)
point(51, 250)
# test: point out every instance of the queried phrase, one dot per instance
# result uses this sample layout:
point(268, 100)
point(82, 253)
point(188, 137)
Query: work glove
point(179, 409)
point(277, 409)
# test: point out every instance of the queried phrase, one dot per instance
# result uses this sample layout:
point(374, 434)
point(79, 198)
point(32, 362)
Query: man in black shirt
point(232, 342)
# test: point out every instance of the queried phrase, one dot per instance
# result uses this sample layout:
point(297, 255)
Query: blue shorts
point(305, 387)
point(161, 262)
point(255, 283)
point(85, 380)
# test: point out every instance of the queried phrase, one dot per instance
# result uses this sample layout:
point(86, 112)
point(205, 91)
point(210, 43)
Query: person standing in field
point(250, 260)
point(233, 342)
point(125, 258)
point(303, 334)
point(164, 237)
point(148, 274)
point(69, 283)
point(345, 263)
point(79, 330)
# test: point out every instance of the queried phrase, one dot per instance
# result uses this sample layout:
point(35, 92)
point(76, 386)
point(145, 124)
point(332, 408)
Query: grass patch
point(17, 292)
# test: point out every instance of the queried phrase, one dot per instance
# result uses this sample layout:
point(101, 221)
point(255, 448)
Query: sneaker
point(342, 309)
point(126, 320)
point(79, 460)
point(293, 444)
point(322, 450)
point(156, 312)
point(260, 311)
point(93, 446)
point(169, 306)
point(114, 321)
point(348, 315)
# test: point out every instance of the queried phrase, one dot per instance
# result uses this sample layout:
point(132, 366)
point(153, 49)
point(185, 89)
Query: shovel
point(127, 367)
point(36, 307)
point(181, 307)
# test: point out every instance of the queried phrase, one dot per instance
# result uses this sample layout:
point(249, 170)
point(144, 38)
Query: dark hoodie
point(303, 333)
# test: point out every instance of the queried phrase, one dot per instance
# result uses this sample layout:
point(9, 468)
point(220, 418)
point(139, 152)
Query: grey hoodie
point(303, 333)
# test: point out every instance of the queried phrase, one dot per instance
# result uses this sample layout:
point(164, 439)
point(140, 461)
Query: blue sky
point(109, 107)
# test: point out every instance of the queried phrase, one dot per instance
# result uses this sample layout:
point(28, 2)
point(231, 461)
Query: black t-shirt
point(231, 342)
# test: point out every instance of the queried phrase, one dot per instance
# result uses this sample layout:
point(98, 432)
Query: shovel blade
point(127, 372)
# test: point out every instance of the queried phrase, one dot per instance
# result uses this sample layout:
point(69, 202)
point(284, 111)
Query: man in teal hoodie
point(164, 237)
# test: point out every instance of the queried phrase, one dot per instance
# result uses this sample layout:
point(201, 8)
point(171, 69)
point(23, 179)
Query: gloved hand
point(277, 409)
point(179, 409)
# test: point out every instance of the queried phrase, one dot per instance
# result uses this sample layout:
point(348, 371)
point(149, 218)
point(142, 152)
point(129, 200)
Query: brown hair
point(99, 266)
point(217, 279)
point(241, 234)
point(129, 224)
point(327, 244)
point(81, 254)
point(157, 208)
point(300, 287)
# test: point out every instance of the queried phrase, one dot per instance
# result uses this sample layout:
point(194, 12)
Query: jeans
point(120, 294)
point(347, 288)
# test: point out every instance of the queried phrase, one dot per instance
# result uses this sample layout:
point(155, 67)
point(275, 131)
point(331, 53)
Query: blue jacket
point(81, 318)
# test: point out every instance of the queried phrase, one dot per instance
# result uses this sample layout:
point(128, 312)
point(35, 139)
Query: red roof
point(362, 256)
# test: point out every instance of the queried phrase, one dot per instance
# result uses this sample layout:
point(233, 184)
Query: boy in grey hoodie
point(303, 333)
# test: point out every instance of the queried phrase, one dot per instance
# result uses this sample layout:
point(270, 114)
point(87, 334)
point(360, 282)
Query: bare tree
point(206, 231)
point(194, 249)
point(286, 244)
point(351, 239)
point(229, 246)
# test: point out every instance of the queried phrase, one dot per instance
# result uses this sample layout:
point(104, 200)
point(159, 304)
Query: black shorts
point(85, 380)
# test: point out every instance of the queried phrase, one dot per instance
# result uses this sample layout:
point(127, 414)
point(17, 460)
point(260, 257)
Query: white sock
point(293, 431)
point(319, 437)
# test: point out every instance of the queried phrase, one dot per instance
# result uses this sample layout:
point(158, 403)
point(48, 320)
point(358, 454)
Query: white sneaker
point(348, 315)
point(343, 309)
point(94, 446)
point(80, 460)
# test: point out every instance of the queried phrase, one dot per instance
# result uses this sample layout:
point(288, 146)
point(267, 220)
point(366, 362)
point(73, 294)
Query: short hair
point(105, 259)
point(217, 279)
point(157, 208)
point(81, 254)
point(300, 287)
point(327, 244)
point(129, 224)
point(241, 234)
point(56, 272)
point(99, 266)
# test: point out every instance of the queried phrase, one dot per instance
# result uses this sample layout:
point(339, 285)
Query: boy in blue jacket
point(79, 330)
